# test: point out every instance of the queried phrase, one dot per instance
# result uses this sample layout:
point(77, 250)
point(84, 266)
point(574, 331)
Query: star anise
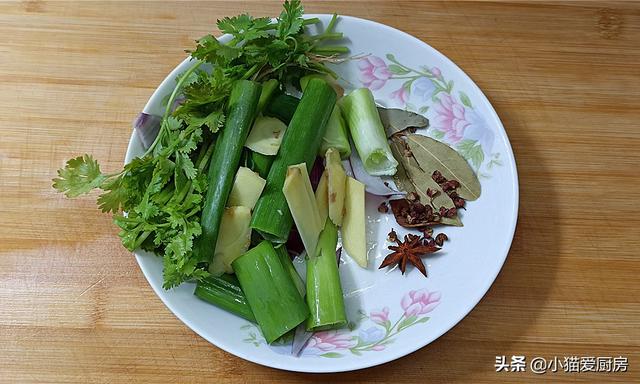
point(410, 250)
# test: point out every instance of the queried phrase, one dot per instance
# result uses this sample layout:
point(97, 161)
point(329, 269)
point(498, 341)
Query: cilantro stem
point(330, 50)
point(332, 24)
point(310, 21)
point(183, 78)
point(203, 160)
point(251, 71)
point(183, 192)
point(141, 239)
point(164, 195)
point(313, 20)
point(192, 212)
point(272, 70)
point(317, 67)
point(167, 111)
point(327, 36)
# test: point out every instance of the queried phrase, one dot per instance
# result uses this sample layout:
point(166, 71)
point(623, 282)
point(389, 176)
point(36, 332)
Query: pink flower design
point(450, 118)
point(400, 95)
point(419, 302)
point(380, 317)
point(331, 340)
point(378, 347)
point(373, 72)
point(435, 71)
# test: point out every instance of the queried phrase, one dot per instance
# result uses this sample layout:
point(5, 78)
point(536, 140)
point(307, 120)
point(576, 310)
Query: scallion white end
point(361, 114)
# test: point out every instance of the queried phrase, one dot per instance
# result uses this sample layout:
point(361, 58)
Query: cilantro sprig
point(261, 49)
point(156, 199)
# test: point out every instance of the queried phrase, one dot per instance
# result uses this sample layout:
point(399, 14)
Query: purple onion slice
point(147, 127)
point(316, 172)
point(375, 185)
point(300, 339)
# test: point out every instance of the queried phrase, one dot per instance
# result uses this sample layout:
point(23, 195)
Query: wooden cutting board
point(564, 78)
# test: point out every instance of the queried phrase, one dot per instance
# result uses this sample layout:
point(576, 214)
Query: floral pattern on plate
point(355, 339)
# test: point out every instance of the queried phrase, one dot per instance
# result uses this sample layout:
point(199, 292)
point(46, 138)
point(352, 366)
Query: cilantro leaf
point(147, 209)
point(81, 175)
point(244, 27)
point(131, 229)
point(178, 261)
point(290, 20)
point(204, 96)
point(172, 123)
point(209, 49)
point(186, 165)
point(161, 175)
point(276, 52)
point(116, 196)
point(262, 23)
point(213, 121)
point(137, 176)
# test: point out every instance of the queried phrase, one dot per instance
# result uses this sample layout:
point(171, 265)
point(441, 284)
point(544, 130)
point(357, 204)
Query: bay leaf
point(397, 121)
point(432, 155)
point(402, 180)
point(410, 177)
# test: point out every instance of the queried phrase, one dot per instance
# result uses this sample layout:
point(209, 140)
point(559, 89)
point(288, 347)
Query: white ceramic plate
point(391, 315)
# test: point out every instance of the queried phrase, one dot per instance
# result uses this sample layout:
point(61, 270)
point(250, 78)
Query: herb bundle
point(157, 199)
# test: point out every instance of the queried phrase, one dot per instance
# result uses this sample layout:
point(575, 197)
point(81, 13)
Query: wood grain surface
point(564, 78)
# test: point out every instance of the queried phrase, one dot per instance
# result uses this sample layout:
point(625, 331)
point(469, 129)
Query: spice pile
point(409, 212)
point(438, 182)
